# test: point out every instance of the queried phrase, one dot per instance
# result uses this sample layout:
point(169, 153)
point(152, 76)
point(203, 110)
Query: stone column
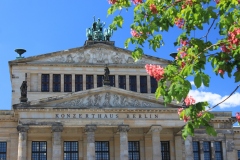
point(188, 148)
point(156, 143)
point(90, 130)
point(22, 142)
point(123, 129)
point(127, 82)
point(57, 142)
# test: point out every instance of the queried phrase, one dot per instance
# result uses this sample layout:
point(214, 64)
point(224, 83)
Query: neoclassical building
point(68, 105)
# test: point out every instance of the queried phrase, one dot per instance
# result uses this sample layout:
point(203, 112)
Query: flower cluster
point(179, 22)
point(220, 71)
point(134, 33)
point(225, 49)
point(112, 1)
point(187, 3)
point(238, 116)
point(136, 2)
point(153, 9)
point(189, 100)
point(155, 71)
point(233, 38)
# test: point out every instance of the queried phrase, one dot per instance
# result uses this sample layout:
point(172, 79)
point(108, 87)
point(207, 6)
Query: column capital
point(123, 128)
point(90, 128)
point(22, 128)
point(155, 128)
point(57, 128)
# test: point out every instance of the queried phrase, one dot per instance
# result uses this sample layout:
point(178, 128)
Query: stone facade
point(130, 123)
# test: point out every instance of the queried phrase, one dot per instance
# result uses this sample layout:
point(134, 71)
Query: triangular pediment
point(99, 53)
point(103, 97)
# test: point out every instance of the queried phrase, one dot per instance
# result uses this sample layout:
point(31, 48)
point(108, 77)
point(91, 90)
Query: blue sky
point(53, 25)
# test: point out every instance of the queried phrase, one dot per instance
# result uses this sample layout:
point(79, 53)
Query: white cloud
point(213, 98)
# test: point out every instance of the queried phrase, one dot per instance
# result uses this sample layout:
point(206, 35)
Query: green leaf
point(237, 76)
point(198, 80)
point(205, 80)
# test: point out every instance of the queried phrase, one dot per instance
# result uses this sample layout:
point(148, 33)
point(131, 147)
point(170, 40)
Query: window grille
point(89, 81)
point(39, 150)
point(78, 83)
point(67, 83)
point(207, 150)
point(196, 151)
point(133, 83)
point(102, 150)
point(143, 84)
point(165, 149)
point(133, 150)
point(238, 152)
point(70, 150)
point(122, 82)
point(218, 150)
point(56, 83)
point(112, 80)
point(45, 83)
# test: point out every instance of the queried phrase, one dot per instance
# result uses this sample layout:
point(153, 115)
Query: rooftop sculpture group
point(96, 32)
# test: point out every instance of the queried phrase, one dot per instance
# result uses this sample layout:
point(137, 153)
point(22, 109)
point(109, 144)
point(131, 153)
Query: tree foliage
point(153, 17)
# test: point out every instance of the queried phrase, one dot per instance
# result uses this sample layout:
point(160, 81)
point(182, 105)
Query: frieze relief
point(107, 100)
point(95, 55)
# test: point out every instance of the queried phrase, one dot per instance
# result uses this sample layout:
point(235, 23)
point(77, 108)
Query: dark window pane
point(122, 82)
point(45, 83)
point(70, 150)
point(165, 149)
point(112, 80)
point(238, 152)
point(56, 83)
point(99, 80)
point(196, 151)
point(143, 84)
point(218, 150)
point(207, 150)
point(133, 150)
point(102, 150)
point(78, 83)
point(67, 83)
point(154, 85)
point(89, 81)
point(133, 83)
point(39, 150)
point(3, 150)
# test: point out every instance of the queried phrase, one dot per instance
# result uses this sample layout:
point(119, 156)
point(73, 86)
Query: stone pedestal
point(123, 129)
point(56, 142)
point(156, 144)
point(188, 148)
point(22, 142)
point(90, 130)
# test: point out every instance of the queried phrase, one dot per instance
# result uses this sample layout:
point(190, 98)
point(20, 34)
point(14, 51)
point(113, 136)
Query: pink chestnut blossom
point(189, 100)
point(155, 71)
point(238, 116)
point(180, 110)
point(112, 1)
point(134, 33)
point(136, 2)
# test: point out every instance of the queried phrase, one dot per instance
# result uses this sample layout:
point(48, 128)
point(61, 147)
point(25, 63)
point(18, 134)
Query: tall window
point(56, 83)
point(133, 83)
point(238, 152)
point(165, 149)
point(122, 82)
point(207, 150)
point(45, 83)
point(196, 151)
point(67, 83)
point(143, 84)
point(70, 150)
point(99, 80)
point(112, 80)
point(78, 83)
point(133, 150)
point(154, 85)
point(3, 150)
point(218, 150)
point(102, 150)
point(89, 81)
point(39, 150)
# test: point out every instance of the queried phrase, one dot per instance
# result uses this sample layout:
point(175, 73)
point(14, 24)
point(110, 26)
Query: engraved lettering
point(111, 115)
point(99, 116)
point(146, 116)
point(62, 115)
point(56, 116)
point(134, 116)
point(116, 115)
point(127, 115)
point(93, 115)
point(140, 116)
point(74, 115)
point(80, 115)
point(156, 115)
point(86, 115)
point(150, 116)
point(68, 115)
point(105, 116)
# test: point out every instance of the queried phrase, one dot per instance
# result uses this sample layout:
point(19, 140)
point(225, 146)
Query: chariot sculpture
point(96, 33)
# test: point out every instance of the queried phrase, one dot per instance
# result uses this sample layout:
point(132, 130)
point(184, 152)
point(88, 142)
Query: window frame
point(196, 151)
point(108, 151)
point(168, 150)
point(38, 152)
point(209, 151)
point(70, 149)
point(89, 85)
point(112, 80)
point(133, 83)
point(122, 81)
point(218, 151)
point(56, 85)
point(4, 153)
point(67, 89)
point(43, 83)
point(143, 84)
point(131, 152)
point(78, 82)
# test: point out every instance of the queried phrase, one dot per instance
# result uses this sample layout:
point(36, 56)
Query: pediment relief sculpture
point(108, 100)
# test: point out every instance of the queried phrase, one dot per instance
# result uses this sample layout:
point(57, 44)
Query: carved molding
point(22, 128)
point(57, 128)
point(90, 128)
point(123, 128)
point(156, 128)
point(109, 100)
